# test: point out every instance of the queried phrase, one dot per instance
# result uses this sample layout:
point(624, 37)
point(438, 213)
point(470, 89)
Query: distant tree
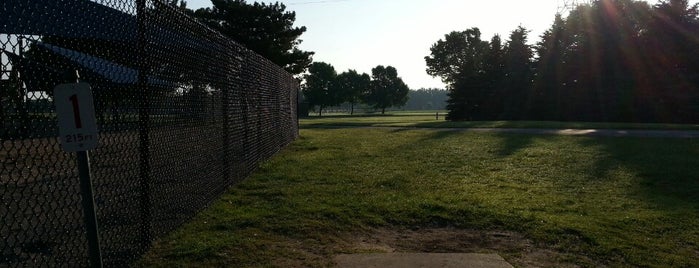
point(318, 89)
point(181, 4)
point(352, 87)
point(387, 89)
point(267, 29)
point(427, 99)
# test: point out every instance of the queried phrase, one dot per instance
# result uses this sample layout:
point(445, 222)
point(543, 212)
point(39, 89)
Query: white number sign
point(75, 110)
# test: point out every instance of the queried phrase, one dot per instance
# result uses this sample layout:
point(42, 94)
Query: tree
point(459, 59)
point(493, 74)
point(517, 79)
point(387, 89)
point(180, 4)
point(460, 53)
point(550, 66)
point(671, 41)
point(352, 87)
point(427, 99)
point(267, 29)
point(604, 60)
point(319, 89)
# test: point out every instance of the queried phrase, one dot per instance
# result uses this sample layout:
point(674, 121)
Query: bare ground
point(514, 247)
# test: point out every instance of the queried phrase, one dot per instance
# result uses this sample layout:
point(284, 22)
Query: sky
point(361, 34)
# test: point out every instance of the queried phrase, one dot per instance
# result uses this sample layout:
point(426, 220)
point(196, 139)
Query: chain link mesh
point(183, 113)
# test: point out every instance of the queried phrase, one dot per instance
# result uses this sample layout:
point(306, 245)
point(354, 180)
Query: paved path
point(683, 134)
point(678, 134)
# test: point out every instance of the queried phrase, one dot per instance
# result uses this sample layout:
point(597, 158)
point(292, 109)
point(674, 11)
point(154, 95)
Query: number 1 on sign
point(76, 111)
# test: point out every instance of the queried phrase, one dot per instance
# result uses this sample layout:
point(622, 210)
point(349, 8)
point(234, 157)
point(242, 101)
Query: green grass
point(619, 202)
point(428, 119)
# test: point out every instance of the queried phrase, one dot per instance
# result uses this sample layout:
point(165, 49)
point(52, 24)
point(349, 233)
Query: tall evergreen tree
point(671, 41)
point(610, 60)
point(547, 97)
point(494, 73)
point(517, 79)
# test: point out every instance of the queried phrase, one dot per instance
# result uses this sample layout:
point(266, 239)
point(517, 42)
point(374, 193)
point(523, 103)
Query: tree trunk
point(352, 108)
point(320, 111)
point(383, 111)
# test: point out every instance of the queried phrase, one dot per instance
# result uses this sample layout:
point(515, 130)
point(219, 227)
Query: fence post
point(225, 91)
point(22, 106)
point(143, 127)
point(298, 97)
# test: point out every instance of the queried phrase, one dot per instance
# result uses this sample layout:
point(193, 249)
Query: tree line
point(323, 87)
point(268, 29)
point(426, 99)
point(610, 60)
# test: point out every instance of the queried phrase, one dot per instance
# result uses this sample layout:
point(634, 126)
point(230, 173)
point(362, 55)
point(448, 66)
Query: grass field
point(428, 119)
point(536, 200)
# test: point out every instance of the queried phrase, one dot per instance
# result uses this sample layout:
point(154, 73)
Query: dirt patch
point(514, 247)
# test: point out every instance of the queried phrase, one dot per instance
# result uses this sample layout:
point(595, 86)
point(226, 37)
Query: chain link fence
point(183, 113)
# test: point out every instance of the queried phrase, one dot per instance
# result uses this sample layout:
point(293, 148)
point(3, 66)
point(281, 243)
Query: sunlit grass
point(430, 119)
point(623, 202)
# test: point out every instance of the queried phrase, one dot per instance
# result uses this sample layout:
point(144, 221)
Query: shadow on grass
point(334, 126)
point(512, 143)
point(347, 116)
point(667, 168)
point(342, 116)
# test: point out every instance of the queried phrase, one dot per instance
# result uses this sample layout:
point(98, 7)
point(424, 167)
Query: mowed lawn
point(436, 119)
point(591, 201)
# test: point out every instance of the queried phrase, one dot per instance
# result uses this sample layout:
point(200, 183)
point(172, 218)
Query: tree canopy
point(319, 88)
point(352, 87)
point(267, 29)
point(459, 54)
point(387, 89)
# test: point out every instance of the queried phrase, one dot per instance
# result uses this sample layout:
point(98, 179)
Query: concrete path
point(683, 134)
point(677, 134)
point(426, 260)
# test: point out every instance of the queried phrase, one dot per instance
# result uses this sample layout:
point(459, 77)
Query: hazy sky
point(361, 34)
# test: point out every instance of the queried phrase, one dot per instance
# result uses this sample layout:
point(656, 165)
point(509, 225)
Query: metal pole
point(298, 124)
point(225, 92)
point(88, 200)
point(143, 128)
point(21, 93)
